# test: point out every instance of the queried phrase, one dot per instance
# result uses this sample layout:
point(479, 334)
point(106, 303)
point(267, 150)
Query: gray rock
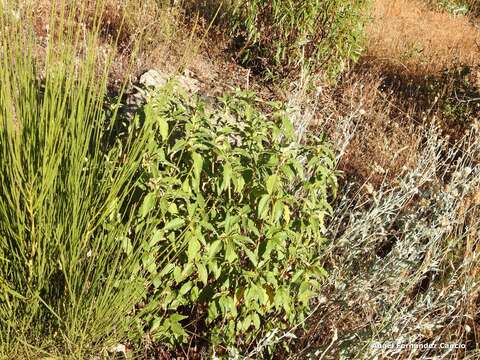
point(153, 79)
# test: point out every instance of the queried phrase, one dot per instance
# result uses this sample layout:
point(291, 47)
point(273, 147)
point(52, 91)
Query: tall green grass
point(67, 285)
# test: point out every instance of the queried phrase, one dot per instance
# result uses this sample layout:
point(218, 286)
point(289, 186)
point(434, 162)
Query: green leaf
point(186, 186)
point(251, 256)
point(127, 245)
point(172, 208)
point(227, 176)
point(156, 238)
point(304, 292)
point(167, 269)
point(247, 322)
point(177, 274)
point(197, 164)
point(194, 247)
point(272, 182)
point(177, 317)
point(256, 320)
point(185, 288)
point(287, 170)
point(148, 204)
point(214, 248)
point(230, 254)
point(149, 263)
point(174, 224)
point(277, 210)
point(163, 127)
point(155, 324)
point(286, 214)
point(202, 273)
point(288, 127)
point(239, 184)
point(262, 206)
point(187, 270)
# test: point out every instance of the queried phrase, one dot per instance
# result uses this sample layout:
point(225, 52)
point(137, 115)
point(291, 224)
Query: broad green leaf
point(272, 183)
point(227, 176)
point(202, 273)
point(263, 206)
point(256, 320)
point(230, 254)
point(127, 245)
point(188, 270)
point(240, 183)
point(155, 324)
point(304, 293)
point(288, 127)
point(174, 224)
point(156, 238)
point(177, 274)
point(251, 256)
point(148, 204)
point(185, 288)
point(197, 164)
point(172, 208)
point(287, 170)
point(186, 186)
point(214, 248)
point(286, 214)
point(194, 247)
point(277, 210)
point(163, 127)
point(167, 269)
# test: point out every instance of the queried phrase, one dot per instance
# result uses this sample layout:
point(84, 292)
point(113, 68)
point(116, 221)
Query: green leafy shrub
point(243, 205)
point(287, 35)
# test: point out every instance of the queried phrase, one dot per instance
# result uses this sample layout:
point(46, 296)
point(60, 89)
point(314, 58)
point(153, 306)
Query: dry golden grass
point(410, 35)
point(382, 135)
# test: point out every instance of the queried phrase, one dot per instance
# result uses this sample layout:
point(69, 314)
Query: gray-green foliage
point(66, 284)
point(243, 206)
point(458, 7)
point(287, 35)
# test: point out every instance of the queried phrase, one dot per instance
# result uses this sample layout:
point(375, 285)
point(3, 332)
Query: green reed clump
point(67, 281)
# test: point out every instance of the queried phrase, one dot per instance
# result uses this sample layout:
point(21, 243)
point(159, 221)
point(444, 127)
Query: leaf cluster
point(241, 207)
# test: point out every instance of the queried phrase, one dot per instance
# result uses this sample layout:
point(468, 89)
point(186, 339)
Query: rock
point(153, 79)
point(118, 351)
point(189, 83)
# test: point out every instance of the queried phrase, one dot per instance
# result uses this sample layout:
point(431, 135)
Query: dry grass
point(126, 20)
point(147, 29)
point(374, 138)
point(392, 90)
point(412, 37)
point(380, 148)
